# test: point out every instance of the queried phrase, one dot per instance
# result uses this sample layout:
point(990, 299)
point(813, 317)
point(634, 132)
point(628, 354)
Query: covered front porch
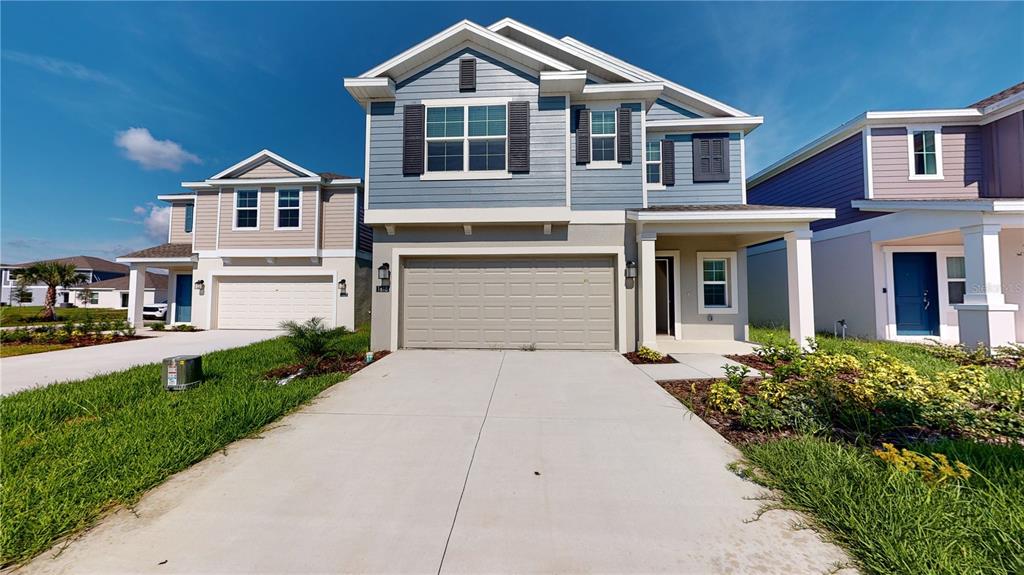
point(692, 290)
point(178, 260)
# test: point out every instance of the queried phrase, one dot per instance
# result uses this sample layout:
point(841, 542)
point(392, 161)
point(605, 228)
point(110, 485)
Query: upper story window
point(288, 208)
point(247, 208)
point(189, 215)
point(461, 138)
point(653, 160)
point(602, 136)
point(925, 152)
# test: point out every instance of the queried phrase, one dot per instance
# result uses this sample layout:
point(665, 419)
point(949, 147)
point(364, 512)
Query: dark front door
point(183, 297)
point(915, 289)
point(664, 295)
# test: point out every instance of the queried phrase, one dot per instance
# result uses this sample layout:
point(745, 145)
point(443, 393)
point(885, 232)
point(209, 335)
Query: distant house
point(95, 270)
point(113, 293)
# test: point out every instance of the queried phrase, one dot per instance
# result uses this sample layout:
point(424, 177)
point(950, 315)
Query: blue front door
point(915, 290)
point(183, 297)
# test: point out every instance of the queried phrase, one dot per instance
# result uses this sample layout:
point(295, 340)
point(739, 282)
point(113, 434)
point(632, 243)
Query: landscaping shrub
point(648, 354)
point(311, 340)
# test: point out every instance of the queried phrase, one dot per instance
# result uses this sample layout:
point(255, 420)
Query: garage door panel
point(552, 303)
point(254, 302)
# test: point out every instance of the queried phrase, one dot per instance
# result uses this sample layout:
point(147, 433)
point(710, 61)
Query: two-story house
point(106, 280)
point(263, 241)
point(528, 191)
point(928, 240)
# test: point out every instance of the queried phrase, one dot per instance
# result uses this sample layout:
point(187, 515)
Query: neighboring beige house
point(113, 293)
point(92, 268)
point(261, 242)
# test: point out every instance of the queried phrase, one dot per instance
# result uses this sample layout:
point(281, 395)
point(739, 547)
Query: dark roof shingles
point(83, 263)
point(1015, 89)
point(163, 251)
point(157, 281)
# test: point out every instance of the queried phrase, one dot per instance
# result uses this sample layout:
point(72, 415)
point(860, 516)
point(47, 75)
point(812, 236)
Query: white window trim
point(605, 164)
point(234, 211)
point(731, 283)
point(277, 207)
point(465, 173)
point(911, 130)
point(661, 172)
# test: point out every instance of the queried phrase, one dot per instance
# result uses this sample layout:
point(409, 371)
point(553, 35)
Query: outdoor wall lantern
point(384, 275)
point(200, 286)
point(342, 289)
point(631, 269)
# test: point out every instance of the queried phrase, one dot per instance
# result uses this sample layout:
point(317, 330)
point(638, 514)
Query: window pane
point(653, 173)
point(714, 295)
point(444, 122)
point(603, 149)
point(444, 156)
point(487, 155)
point(956, 291)
point(487, 120)
point(288, 199)
point(929, 164)
point(955, 268)
point(245, 219)
point(602, 122)
point(246, 199)
point(714, 270)
point(928, 139)
point(654, 151)
point(288, 218)
point(918, 142)
point(919, 164)
point(189, 214)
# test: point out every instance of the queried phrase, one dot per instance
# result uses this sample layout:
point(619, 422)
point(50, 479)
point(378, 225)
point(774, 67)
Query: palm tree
point(52, 274)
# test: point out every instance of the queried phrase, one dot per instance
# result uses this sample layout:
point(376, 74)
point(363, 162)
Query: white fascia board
point(1002, 206)
point(456, 34)
point(356, 182)
point(263, 155)
point(571, 82)
point(467, 215)
point(130, 260)
point(1002, 109)
point(262, 181)
point(365, 89)
point(745, 124)
point(177, 197)
point(956, 114)
point(197, 186)
point(646, 92)
point(793, 215)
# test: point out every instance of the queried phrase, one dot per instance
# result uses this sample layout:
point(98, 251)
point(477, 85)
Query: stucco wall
point(844, 284)
point(768, 284)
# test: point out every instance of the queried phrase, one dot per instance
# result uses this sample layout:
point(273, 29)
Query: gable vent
point(467, 75)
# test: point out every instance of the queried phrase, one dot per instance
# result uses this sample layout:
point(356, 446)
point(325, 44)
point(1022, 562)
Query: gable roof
point(82, 263)
point(999, 96)
point(261, 157)
point(121, 283)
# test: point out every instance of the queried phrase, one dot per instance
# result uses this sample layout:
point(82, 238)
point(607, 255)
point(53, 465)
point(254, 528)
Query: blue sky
point(104, 106)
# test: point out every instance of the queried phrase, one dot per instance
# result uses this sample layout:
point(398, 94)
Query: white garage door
point(563, 303)
point(246, 302)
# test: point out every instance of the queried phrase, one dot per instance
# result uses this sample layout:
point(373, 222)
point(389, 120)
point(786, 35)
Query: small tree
point(52, 275)
point(21, 294)
point(85, 296)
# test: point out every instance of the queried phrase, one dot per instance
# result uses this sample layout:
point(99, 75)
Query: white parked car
point(154, 311)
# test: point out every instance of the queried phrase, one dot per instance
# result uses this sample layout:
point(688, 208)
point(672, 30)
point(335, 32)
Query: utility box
point(182, 372)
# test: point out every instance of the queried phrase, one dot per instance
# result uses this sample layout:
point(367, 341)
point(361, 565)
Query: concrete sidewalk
point(463, 462)
point(39, 369)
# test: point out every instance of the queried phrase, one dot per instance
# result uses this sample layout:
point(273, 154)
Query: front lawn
point(73, 451)
point(30, 315)
point(12, 350)
point(910, 456)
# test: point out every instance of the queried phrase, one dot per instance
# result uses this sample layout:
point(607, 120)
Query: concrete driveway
point(25, 371)
point(463, 462)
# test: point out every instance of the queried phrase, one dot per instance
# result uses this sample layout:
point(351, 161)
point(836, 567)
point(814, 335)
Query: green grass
point(29, 315)
point(70, 452)
point(896, 523)
point(12, 350)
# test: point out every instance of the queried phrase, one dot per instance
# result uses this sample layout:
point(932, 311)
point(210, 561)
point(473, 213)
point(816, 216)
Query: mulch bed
point(693, 393)
point(84, 341)
point(636, 359)
point(347, 365)
point(753, 361)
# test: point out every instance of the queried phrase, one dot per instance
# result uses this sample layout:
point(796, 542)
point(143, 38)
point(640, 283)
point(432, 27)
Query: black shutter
point(583, 137)
point(467, 75)
point(412, 139)
point(668, 162)
point(624, 136)
point(711, 158)
point(519, 136)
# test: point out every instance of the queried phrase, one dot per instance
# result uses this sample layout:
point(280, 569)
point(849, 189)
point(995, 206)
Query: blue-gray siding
point(544, 185)
point(686, 191)
point(608, 189)
point(664, 110)
point(830, 179)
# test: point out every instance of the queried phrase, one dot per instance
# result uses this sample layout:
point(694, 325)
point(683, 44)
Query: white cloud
point(155, 220)
point(152, 154)
point(63, 68)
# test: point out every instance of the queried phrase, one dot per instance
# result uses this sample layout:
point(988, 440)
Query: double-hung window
point(467, 138)
point(956, 279)
point(654, 162)
point(189, 214)
point(288, 207)
point(247, 209)
point(602, 136)
point(925, 153)
point(717, 290)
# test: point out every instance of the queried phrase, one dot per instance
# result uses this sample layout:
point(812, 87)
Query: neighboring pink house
point(928, 240)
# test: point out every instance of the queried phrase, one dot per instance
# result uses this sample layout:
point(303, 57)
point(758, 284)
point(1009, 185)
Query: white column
point(984, 317)
point(136, 293)
point(647, 307)
point(801, 285)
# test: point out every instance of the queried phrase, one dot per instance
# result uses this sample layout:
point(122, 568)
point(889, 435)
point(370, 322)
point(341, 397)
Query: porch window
point(124, 300)
point(602, 134)
point(653, 162)
point(288, 207)
point(247, 209)
point(925, 145)
point(956, 279)
point(717, 282)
